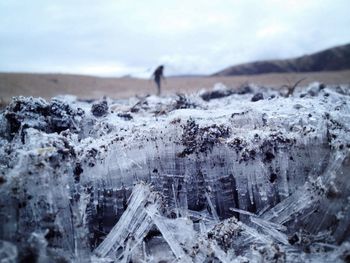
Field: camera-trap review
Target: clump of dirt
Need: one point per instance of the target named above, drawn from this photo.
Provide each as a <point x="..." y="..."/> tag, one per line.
<point x="49" y="117"/>
<point x="265" y="147"/>
<point x="100" y="109"/>
<point x="216" y="94"/>
<point x="142" y="104"/>
<point x="258" y="96"/>
<point x="182" y="102"/>
<point x="126" y="116"/>
<point x="221" y="93"/>
<point x="201" y="139"/>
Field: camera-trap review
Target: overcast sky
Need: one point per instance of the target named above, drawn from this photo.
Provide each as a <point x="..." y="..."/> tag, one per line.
<point x="121" y="37"/>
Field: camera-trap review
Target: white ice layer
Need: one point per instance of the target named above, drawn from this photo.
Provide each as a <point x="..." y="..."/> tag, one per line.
<point x="177" y="179"/>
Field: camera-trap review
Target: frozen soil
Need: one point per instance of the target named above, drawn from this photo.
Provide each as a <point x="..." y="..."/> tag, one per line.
<point x="251" y="173"/>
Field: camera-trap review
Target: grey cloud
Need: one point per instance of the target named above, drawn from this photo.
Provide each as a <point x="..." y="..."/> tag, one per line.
<point x="192" y="37"/>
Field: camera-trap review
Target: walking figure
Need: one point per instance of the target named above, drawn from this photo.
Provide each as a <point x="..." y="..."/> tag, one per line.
<point x="158" y="75"/>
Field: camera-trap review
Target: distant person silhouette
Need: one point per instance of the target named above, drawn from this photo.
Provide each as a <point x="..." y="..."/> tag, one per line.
<point x="158" y="75"/>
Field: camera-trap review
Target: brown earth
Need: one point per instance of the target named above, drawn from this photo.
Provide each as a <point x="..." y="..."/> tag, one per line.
<point x="49" y="85"/>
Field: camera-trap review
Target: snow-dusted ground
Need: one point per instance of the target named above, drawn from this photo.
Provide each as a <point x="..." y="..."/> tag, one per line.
<point x="239" y="176"/>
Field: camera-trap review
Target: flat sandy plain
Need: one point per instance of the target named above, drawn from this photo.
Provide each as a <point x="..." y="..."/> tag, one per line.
<point x="88" y="87"/>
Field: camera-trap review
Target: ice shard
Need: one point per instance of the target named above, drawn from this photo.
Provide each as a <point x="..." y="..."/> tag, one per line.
<point x="193" y="178"/>
<point x="133" y="225"/>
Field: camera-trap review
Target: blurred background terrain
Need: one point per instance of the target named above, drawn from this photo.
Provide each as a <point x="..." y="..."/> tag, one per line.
<point x="111" y="48"/>
<point x="331" y="66"/>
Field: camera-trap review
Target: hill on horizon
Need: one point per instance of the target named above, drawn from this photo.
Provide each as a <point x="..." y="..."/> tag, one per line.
<point x="332" y="59"/>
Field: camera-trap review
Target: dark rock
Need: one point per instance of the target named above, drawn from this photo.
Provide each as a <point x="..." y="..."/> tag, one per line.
<point x="273" y="177"/>
<point x="77" y="172"/>
<point x="125" y="116"/>
<point x="322" y="86"/>
<point x="244" y="90"/>
<point x="216" y="94"/>
<point x="2" y="180"/>
<point x="269" y="156"/>
<point x="293" y="239"/>
<point x="257" y="97"/>
<point x="99" y="109"/>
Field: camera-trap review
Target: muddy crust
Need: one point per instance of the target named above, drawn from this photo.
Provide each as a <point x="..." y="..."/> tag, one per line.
<point x="55" y="116"/>
<point x="197" y="139"/>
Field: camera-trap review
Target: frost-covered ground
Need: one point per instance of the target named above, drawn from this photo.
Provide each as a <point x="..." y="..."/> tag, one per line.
<point x="227" y="176"/>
